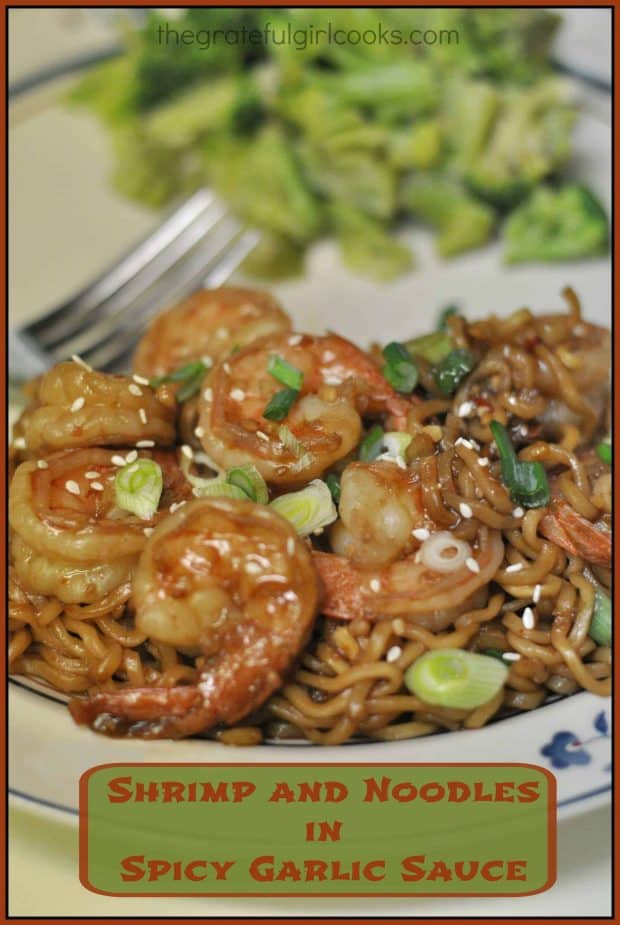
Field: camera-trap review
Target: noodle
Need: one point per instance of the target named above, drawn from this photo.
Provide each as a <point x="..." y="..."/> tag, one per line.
<point x="349" y="679"/>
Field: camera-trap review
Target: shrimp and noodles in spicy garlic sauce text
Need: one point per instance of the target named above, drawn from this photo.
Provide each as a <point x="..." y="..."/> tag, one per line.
<point x="263" y="534"/>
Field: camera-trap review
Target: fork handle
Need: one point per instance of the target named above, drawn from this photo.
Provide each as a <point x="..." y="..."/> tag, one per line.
<point x="26" y="359"/>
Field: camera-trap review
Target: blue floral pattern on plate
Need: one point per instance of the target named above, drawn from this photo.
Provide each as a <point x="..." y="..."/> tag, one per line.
<point x="566" y="748"/>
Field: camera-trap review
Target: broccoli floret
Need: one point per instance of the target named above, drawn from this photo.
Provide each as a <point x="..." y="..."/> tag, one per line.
<point x="366" y="244"/>
<point x="463" y="222"/>
<point x="419" y="146"/>
<point x="262" y="181"/>
<point x="529" y="141"/>
<point x="274" y="257"/>
<point x="557" y="224"/>
<point x="468" y="114"/>
<point x="164" y="67"/>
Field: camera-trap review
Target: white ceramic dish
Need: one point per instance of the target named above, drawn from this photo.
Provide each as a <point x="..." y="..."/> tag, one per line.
<point x="47" y="753"/>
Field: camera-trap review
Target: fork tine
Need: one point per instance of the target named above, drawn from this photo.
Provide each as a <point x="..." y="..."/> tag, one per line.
<point x="183" y="280"/>
<point x="71" y="325"/>
<point x="139" y="297"/>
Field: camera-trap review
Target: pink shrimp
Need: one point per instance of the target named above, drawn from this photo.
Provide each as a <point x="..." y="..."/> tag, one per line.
<point x="341" y="385"/>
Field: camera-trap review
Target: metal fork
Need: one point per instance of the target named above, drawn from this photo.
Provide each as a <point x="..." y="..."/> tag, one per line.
<point x="200" y="244"/>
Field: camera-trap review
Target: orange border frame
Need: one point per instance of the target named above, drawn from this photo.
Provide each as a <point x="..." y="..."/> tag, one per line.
<point x="19" y="4"/>
<point x="551" y="823"/>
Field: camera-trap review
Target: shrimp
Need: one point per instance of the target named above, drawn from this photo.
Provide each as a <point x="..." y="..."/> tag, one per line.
<point x="78" y="407"/>
<point x="211" y="322"/>
<point x="341" y="384"/>
<point x="233" y="580"/>
<point x="567" y="528"/>
<point x="380" y="504"/>
<point x="407" y="588"/>
<point x="577" y="535"/>
<point x="70" y="540"/>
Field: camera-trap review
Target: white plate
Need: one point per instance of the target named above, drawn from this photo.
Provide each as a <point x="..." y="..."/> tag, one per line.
<point x="47" y="752"/>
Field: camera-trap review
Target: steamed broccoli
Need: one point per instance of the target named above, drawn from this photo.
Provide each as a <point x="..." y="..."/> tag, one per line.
<point x="367" y="245"/>
<point x="530" y="140"/>
<point x="418" y="146"/>
<point x="462" y="222"/>
<point x="165" y="64"/>
<point x="562" y="224"/>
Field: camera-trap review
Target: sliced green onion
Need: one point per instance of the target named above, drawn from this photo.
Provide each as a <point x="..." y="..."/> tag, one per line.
<point x="333" y="483"/>
<point x="285" y="372"/>
<point x="452" y="369"/>
<point x="494" y="653"/>
<point x="290" y="441"/>
<point x="280" y="405"/>
<point x="604" y="450"/>
<point x="249" y="480"/>
<point x="526" y="481"/>
<point x="138" y="487"/>
<point x="395" y="446"/>
<point x="600" y="626"/>
<point x="309" y="510"/>
<point x="444" y="314"/>
<point x="219" y="487"/>
<point x="455" y="678"/>
<point x="400" y="369"/>
<point x="372" y="444"/>
<point x="191" y="375"/>
<point x="430" y="347"/>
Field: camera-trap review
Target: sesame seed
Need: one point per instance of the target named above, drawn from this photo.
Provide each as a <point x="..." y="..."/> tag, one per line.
<point x="142" y="415"/>
<point x="145" y="443"/>
<point x="72" y="487"/>
<point x="421" y="533"/>
<point x="515" y="567"/>
<point x="483" y="461"/>
<point x="187" y="451"/>
<point x="199" y="432"/>
<point x="472" y="565"/>
<point x="91" y="474"/>
<point x="375" y="584"/>
<point x="148" y="531"/>
<point x="393" y="654"/>
<point x="261" y="435"/>
<point x="295" y="339"/>
<point x="19" y="443"/>
<point x="80" y="362"/>
<point x="135" y="389"/>
<point x="398" y="626"/>
<point x="461" y="441"/>
<point x="96" y="486"/>
<point x="465" y="510"/>
<point x="176" y="505"/>
<point x="78" y="404"/>
<point x="133" y="468"/>
<point x="141" y="380"/>
<point x="511" y="656"/>
<point x="237" y="394"/>
<point x="252" y="568"/>
<point x="328" y="356"/>
<point x="132" y="456"/>
<point x="226" y="368"/>
<point x="536" y="594"/>
<point x="118" y="460"/>
<point x="332" y="380"/>
<point x="290" y="545"/>
<point x="529" y="619"/>
<point x="523" y="430"/>
<point x="518" y="512"/>
<point x="42" y="464"/>
<point x="222" y="333"/>
<point x="206" y="360"/>
<point x="465" y="409"/>
<point x="208" y="394"/>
